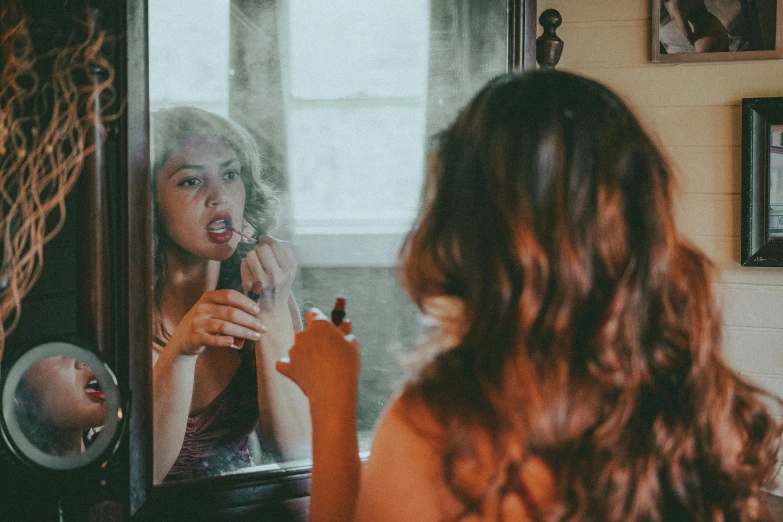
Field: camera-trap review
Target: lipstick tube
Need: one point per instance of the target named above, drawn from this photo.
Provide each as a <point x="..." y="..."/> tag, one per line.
<point x="338" y="312"/>
<point x="255" y="292"/>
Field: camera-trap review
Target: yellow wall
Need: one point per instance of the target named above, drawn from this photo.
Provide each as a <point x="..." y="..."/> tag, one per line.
<point x="694" y="111"/>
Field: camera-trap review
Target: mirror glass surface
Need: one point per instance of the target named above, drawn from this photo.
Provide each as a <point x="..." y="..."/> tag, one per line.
<point x="341" y="100"/>
<point x="776" y="182"/>
<point x="61" y="406"/>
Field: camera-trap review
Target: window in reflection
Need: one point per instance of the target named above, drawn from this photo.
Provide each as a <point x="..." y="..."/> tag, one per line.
<point x="340" y="99"/>
<point x="776" y="183"/>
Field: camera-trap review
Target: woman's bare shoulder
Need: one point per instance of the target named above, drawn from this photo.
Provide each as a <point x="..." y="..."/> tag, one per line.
<point x="409" y="416"/>
<point x="403" y="478"/>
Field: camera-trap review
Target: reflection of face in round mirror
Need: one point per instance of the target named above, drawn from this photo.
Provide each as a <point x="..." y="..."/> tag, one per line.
<point x="58" y="404"/>
<point x="61" y="406"/>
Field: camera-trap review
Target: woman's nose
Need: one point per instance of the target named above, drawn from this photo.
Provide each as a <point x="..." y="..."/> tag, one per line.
<point x="78" y="364"/>
<point x="217" y="195"/>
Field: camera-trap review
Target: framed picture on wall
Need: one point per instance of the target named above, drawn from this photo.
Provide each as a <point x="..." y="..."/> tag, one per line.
<point x="762" y="182"/>
<point x="716" y="30"/>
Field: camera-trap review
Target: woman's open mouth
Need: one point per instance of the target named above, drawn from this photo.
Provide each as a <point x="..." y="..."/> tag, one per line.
<point x="94" y="391"/>
<point x="219" y="229"/>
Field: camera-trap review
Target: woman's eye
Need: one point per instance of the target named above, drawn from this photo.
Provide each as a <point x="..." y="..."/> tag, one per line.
<point x="231" y="175"/>
<point x="189" y="182"/>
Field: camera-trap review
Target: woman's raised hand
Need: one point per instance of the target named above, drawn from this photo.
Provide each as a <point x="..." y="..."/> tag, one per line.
<point x="324" y="363"/>
<point x="272" y="264"/>
<point x="215" y="320"/>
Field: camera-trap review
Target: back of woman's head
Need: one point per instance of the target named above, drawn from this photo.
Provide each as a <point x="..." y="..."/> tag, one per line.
<point x="592" y="333"/>
<point x="30" y="417"/>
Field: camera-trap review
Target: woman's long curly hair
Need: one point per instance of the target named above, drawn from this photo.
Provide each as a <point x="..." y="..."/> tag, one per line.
<point x="171" y="128"/>
<point x="593" y="334"/>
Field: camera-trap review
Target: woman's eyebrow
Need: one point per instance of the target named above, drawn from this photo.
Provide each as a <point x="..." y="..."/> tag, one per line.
<point x="186" y="166"/>
<point x="194" y="166"/>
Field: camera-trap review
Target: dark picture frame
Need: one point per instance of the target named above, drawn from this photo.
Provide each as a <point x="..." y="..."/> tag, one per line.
<point x="748" y="25"/>
<point x="761" y="244"/>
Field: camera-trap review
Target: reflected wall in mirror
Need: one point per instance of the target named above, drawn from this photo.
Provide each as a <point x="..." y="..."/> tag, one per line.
<point x="61" y="407"/>
<point x="307" y="121"/>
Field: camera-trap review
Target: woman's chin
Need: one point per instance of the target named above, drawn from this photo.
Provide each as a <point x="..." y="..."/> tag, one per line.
<point x="224" y="257"/>
<point x="96" y="419"/>
<point x="223" y="251"/>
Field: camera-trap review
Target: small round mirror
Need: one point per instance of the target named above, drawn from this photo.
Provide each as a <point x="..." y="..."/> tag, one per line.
<point x="61" y="407"/>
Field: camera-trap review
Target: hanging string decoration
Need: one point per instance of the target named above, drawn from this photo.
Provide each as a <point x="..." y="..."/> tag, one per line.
<point x="45" y="120"/>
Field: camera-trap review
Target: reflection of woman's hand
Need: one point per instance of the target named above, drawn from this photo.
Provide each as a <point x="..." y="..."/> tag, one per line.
<point x="324" y="363"/>
<point x="215" y="319"/>
<point x="272" y="264"/>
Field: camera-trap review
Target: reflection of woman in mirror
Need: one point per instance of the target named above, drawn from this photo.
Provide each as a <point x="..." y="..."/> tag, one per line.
<point x="206" y="177"/>
<point x="579" y="375"/>
<point x="57" y="404"/>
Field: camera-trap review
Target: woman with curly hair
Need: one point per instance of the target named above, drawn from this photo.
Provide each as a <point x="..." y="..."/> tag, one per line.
<point x="579" y="374"/>
<point x="209" y="393"/>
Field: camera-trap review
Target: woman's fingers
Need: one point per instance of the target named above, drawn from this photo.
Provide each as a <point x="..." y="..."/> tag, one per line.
<point x="233" y="315"/>
<point x="224" y="319"/>
<point x="323" y="362"/>
<point x="231" y="298"/>
<point x="314" y="314"/>
<point x="219" y="341"/>
<point x="284" y="367"/>
<point x="247" y="277"/>
<point x="226" y="328"/>
<point x="282" y="252"/>
<point x="254" y="271"/>
<point x="346" y="327"/>
<point x="261" y="264"/>
<point x="269" y="263"/>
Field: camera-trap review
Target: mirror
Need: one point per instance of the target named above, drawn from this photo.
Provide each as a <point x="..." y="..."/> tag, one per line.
<point x="336" y="101"/>
<point x="61" y="407"/>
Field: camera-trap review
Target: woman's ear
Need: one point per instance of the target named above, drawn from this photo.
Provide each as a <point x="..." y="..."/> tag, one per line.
<point x="449" y="311"/>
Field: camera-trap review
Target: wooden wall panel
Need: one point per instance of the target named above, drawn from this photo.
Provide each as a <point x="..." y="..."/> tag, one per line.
<point x="608" y="44"/>
<point x="685" y="126"/>
<point x="598" y="10"/>
<point x="756" y="306"/>
<point x="707" y="170"/>
<point x="688" y="85"/>
<point x="766" y="353"/>
<point x="708" y="214"/>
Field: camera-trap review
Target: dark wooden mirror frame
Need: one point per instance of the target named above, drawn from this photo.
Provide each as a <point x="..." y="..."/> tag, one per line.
<point x="275" y="495"/>
<point x="758" y="115"/>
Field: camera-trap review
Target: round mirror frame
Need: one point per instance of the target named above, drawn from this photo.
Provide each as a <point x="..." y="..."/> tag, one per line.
<point x="15" y="437"/>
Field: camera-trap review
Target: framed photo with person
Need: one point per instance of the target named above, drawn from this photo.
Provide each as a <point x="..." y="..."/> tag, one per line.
<point x="716" y="30"/>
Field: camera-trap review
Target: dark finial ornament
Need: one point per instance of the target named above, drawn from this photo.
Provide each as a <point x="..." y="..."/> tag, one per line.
<point x="549" y="46"/>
